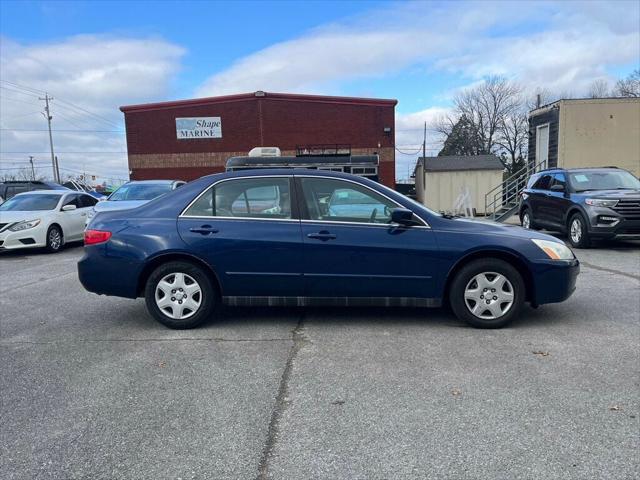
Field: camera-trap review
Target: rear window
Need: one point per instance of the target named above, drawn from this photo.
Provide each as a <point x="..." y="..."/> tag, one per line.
<point x="140" y="191"/>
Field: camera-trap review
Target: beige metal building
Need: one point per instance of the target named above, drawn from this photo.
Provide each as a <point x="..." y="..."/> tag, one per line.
<point x="450" y="182"/>
<point x="591" y="132"/>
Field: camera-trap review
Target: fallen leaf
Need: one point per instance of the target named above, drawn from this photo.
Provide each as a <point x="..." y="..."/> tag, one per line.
<point x="456" y="392"/>
<point x="162" y="364"/>
<point x="615" y="408"/>
<point x="541" y="353"/>
<point x="338" y="402"/>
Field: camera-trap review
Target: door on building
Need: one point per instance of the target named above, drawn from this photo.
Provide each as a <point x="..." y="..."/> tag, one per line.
<point x="542" y="145"/>
<point x="351" y="250"/>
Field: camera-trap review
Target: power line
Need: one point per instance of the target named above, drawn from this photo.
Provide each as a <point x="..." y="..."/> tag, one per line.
<point x="97" y="152"/>
<point x="58" y="130"/>
<point x="69" y="105"/>
<point x="3" y="98"/>
<point x="19" y="92"/>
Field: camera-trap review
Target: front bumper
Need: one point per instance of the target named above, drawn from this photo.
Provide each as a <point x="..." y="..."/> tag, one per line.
<point x="30" y="238"/>
<point x="621" y="226"/>
<point x="554" y="280"/>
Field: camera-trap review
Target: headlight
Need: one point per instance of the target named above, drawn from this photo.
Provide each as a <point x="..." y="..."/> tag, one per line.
<point x="18" y="227"/>
<point x="600" y="202"/>
<point x="554" y="250"/>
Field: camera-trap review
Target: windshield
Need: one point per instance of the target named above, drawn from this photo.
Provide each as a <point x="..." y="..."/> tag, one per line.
<point x="603" y="180"/>
<point x="140" y="191"/>
<point x="31" y="203"/>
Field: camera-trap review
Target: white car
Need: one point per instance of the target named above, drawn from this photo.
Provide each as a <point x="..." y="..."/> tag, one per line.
<point x="44" y="218"/>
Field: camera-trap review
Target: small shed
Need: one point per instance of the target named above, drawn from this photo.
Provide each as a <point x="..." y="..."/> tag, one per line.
<point x="441" y="182"/>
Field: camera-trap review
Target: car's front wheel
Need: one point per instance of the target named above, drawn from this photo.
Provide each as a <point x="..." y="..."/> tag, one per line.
<point x="54" y="239"/>
<point x="578" y="233"/>
<point x="180" y="295"/>
<point x="487" y="293"/>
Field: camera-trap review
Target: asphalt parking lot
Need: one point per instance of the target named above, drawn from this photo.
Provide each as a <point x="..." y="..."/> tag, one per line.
<point x="92" y="387"/>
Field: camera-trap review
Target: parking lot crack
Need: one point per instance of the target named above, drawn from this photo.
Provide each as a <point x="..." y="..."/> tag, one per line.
<point x="610" y="270"/>
<point x="107" y="340"/>
<point x="282" y="401"/>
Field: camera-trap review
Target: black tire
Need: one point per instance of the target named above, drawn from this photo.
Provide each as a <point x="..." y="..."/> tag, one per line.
<point x="581" y="239"/>
<point x="208" y="295"/>
<point x="466" y="276"/>
<point x="55" y="240"/>
<point x="532" y="224"/>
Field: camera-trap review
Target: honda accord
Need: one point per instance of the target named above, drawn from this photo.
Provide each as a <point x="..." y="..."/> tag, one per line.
<point x="309" y="237"/>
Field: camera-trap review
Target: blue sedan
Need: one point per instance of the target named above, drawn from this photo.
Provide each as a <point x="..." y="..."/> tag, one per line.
<point x="278" y="237"/>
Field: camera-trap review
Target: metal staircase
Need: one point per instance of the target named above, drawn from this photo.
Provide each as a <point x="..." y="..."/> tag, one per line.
<point x="502" y="201"/>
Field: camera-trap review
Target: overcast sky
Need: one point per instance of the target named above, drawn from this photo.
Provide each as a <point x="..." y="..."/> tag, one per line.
<point x="93" y="57"/>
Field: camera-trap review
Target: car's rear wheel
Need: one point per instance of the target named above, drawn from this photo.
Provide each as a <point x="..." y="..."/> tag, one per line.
<point x="487" y="293"/>
<point x="526" y="220"/>
<point x="54" y="239"/>
<point x="578" y="233"/>
<point x="180" y="295"/>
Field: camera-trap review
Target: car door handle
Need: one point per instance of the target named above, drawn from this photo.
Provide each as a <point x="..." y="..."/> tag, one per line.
<point x="322" y="236"/>
<point x="204" y="230"/>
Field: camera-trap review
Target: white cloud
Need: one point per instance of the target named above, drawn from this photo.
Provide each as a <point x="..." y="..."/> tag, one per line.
<point x="95" y="73"/>
<point x="559" y="46"/>
<point x="578" y="42"/>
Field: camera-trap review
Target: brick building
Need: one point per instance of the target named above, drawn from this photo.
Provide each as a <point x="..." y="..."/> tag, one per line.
<point x="191" y="138"/>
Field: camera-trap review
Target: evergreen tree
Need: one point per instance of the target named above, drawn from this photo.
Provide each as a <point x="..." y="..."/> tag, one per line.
<point x="463" y="140"/>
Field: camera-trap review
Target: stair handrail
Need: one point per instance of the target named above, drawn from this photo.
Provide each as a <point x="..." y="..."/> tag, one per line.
<point x="490" y="207"/>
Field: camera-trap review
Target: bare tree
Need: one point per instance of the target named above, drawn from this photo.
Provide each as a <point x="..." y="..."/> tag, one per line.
<point x="513" y="139"/>
<point x="487" y="105"/>
<point x="630" y="86"/>
<point x="599" y="89"/>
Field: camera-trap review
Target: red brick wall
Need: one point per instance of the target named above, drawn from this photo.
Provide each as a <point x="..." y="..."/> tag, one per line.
<point x="247" y="122"/>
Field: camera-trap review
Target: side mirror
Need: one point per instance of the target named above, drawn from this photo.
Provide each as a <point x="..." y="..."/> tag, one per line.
<point x="402" y="216"/>
<point x="68" y="208"/>
<point x="557" y="188"/>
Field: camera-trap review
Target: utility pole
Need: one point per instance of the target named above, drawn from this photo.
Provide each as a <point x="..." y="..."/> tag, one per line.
<point x="424" y="141"/>
<point x="47" y="114"/>
<point x="58" y="170"/>
<point x="33" y="172"/>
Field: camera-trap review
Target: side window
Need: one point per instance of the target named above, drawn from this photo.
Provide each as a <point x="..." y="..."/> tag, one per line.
<point x="543" y="183"/>
<point x="246" y="198"/>
<point x="72" y="200"/>
<point x="560" y="179"/>
<point x="340" y="201"/>
<point x="87" y="201"/>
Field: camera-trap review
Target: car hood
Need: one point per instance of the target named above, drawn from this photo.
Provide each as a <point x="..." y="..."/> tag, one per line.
<point x="468" y="225"/>
<point x="19" y="215"/>
<point x="110" y="205"/>
<point x="616" y="194"/>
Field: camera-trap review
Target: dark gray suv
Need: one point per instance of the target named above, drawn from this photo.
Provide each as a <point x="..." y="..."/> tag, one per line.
<point x="585" y="203"/>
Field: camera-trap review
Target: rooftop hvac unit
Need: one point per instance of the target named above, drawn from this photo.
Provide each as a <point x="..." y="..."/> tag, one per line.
<point x="265" y="152"/>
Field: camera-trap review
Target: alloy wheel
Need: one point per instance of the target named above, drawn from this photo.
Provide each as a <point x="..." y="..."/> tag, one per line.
<point x="55" y="239"/>
<point x="576" y="231"/>
<point x="526" y="221"/>
<point x="178" y="295"/>
<point x="489" y="295"/>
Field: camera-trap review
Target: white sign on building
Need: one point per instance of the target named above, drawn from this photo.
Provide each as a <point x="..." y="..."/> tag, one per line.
<point x="198" y="127"/>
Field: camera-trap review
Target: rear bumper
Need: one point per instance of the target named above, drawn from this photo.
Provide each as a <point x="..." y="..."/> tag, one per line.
<point x="554" y="281"/>
<point x="107" y="275"/>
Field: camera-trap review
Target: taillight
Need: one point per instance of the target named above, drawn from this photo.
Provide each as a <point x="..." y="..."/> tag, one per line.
<point x="91" y="237"/>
